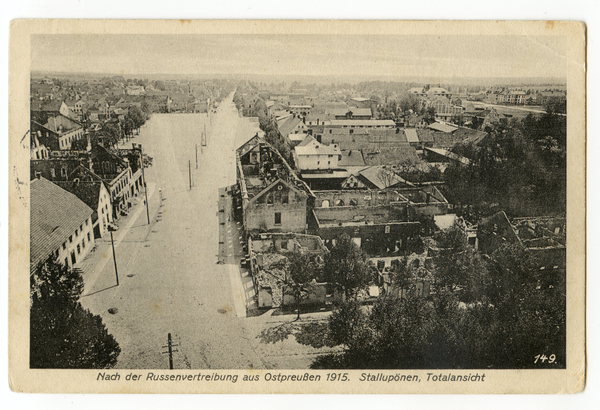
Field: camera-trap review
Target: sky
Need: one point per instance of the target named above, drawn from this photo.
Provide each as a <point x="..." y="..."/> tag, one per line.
<point x="323" y="55"/>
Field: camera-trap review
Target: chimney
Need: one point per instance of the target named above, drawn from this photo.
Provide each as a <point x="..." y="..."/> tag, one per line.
<point x="38" y="174"/>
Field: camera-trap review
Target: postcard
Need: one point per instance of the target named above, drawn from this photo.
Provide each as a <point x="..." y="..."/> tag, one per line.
<point x="297" y="206"/>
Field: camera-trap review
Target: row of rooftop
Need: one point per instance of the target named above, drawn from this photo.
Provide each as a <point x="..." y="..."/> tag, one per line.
<point x="277" y="206"/>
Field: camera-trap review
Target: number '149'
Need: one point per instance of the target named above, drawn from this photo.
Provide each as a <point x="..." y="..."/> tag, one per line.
<point x="543" y="358"/>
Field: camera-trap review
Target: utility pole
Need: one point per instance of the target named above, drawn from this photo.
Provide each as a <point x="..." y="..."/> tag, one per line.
<point x="170" y="350"/>
<point x="144" y="178"/>
<point x="190" y="172"/>
<point x="114" y="257"/>
<point x="196" y="156"/>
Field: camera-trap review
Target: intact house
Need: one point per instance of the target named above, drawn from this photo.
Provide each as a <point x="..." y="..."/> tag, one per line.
<point x="353" y="113"/>
<point x="351" y="126"/>
<point x="312" y="155"/>
<point x="292" y="128"/>
<point x="273" y="198"/>
<point x="490" y="118"/>
<point x="95" y="195"/>
<point x="40" y="111"/>
<point x="444" y="109"/>
<point x="300" y="109"/>
<point x="58" y="132"/>
<point x="60" y="225"/>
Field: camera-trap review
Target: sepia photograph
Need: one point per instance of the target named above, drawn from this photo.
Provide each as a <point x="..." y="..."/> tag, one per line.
<point x="208" y="206"/>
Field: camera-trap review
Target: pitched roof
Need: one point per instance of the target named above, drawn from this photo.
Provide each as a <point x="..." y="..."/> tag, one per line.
<point x="358" y="112"/>
<point x="288" y="126"/>
<point x="87" y="191"/>
<point x="442" y="127"/>
<point x="368" y="123"/>
<point x="411" y="135"/>
<point x="276" y="182"/>
<point x="310" y="146"/>
<point x="470" y="136"/>
<point x="351" y="158"/>
<point x="54" y="216"/>
<point x="47" y="106"/>
<point x="393" y="136"/>
<point x="390" y="156"/>
<point x="425" y="135"/>
<point x="374" y="176"/>
<point x="445" y="140"/>
<point x="54" y="123"/>
<point x="450" y="155"/>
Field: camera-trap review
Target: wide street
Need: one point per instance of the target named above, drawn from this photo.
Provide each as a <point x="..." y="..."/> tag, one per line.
<point x="169" y="279"/>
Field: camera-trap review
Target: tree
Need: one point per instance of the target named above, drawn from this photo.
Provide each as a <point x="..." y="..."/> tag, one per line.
<point x="63" y="334"/>
<point x="301" y="272"/>
<point x="137" y="117"/>
<point x="429" y="115"/>
<point x="346" y="266"/>
<point x="112" y="133"/>
<point x="128" y="127"/>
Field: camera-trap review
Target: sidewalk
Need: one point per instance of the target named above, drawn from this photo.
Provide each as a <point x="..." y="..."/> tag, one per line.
<point x="231" y="238"/>
<point x="95" y="262"/>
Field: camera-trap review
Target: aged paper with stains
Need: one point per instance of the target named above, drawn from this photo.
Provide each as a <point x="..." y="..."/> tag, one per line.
<point x="186" y="309"/>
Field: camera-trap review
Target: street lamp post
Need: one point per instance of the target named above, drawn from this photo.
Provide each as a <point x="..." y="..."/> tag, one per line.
<point x="111" y="229"/>
<point x="144" y="180"/>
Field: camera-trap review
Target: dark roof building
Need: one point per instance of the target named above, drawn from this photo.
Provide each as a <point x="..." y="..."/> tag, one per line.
<point x="57" y="221"/>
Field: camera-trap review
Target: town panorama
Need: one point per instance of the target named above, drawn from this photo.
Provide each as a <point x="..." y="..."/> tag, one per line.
<point x="229" y="223"/>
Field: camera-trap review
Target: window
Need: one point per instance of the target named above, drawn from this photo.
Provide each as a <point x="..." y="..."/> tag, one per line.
<point x="81" y="227"/>
<point x="78" y="249"/>
<point x="89" y="237"/>
<point x="283" y="244"/>
<point x="351" y="131"/>
<point x="83" y="243"/>
<point x="64" y="245"/>
<point x="270" y="198"/>
<point x="277" y="218"/>
<point x="284" y="198"/>
<point x="71" y="239"/>
<point x="86" y="222"/>
<point x="52" y="172"/>
<point x="387" y="229"/>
